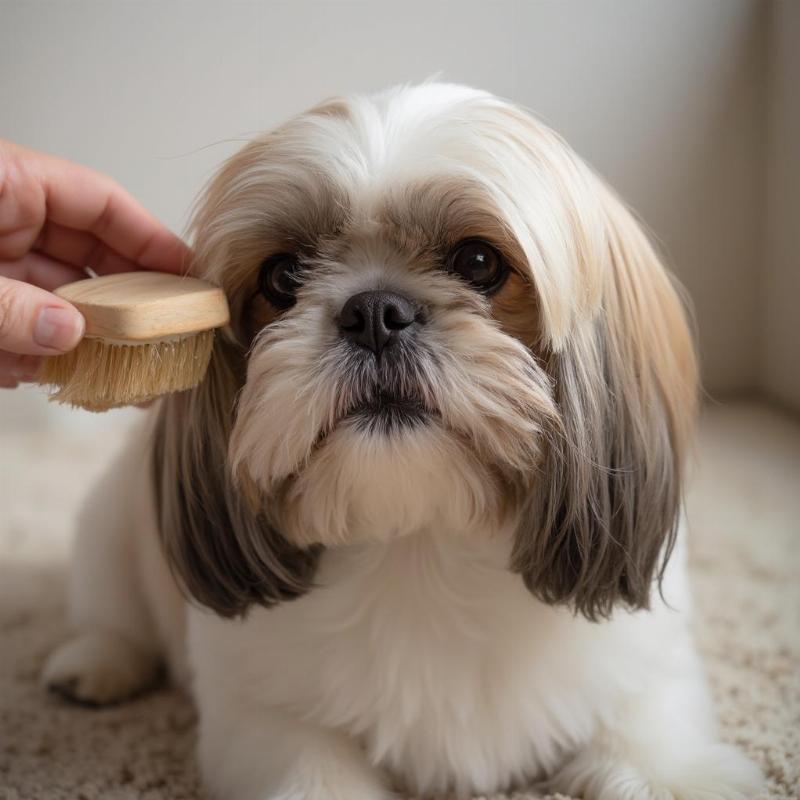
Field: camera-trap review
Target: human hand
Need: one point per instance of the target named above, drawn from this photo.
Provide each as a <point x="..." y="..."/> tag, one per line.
<point x="56" y="219"/>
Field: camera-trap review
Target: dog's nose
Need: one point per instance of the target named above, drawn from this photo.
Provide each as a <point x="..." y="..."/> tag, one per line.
<point x="374" y="319"/>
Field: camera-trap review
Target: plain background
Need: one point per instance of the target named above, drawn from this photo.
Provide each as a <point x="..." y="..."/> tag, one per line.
<point x="688" y="107"/>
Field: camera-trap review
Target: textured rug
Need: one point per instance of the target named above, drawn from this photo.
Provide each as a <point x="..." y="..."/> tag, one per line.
<point x="744" y="508"/>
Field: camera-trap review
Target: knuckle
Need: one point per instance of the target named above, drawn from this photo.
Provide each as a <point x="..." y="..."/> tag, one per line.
<point x="9" y="315"/>
<point x="6" y="152"/>
<point x="103" y="221"/>
<point x="3" y="168"/>
<point x="10" y="170"/>
<point x="22" y="203"/>
<point x="6" y="169"/>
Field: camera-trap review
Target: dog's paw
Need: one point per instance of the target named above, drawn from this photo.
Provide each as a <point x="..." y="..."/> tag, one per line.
<point x="717" y="772"/>
<point x="97" y="669"/>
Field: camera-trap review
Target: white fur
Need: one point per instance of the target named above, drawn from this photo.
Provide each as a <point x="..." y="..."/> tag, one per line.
<point x="418" y="661"/>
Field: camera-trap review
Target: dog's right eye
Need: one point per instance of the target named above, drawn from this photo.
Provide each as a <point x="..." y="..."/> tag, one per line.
<point x="479" y="264"/>
<point x="279" y="279"/>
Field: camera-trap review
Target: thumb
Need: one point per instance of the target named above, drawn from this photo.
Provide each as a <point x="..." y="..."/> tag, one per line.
<point x="35" y="322"/>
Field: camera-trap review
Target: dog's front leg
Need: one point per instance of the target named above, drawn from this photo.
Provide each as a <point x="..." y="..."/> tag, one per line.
<point x="250" y="753"/>
<point x="662" y="746"/>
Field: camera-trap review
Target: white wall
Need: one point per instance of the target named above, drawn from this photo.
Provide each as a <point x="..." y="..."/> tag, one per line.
<point x="780" y="345"/>
<point x="662" y="97"/>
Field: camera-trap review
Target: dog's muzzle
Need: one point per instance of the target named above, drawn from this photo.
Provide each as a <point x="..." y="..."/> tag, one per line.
<point x="381" y="329"/>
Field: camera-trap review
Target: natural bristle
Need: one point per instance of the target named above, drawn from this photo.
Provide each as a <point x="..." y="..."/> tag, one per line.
<point x="99" y="375"/>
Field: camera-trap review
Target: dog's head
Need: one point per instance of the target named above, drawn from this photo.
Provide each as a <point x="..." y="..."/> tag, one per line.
<point x="442" y="321"/>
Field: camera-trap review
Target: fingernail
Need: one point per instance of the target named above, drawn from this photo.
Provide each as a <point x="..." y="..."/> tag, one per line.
<point x="59" y="328"/>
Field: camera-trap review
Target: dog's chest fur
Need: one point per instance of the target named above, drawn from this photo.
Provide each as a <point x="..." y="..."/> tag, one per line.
<point x="430" y="654"/>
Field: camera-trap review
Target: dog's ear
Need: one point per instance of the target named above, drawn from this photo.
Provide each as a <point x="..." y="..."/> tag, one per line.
<point x="602" y="519"/>
<point x="225" y="555"/>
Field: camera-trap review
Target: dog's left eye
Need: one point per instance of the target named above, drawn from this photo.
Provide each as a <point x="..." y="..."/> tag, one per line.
<point x="279" y="279"/>
<point x="478" y="263"/>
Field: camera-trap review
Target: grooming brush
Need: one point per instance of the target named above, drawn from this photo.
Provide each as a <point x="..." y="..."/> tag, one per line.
<point x="147" y="334"/>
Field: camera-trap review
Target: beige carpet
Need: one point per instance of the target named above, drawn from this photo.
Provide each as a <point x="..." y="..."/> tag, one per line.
<point x="744" y="506"/>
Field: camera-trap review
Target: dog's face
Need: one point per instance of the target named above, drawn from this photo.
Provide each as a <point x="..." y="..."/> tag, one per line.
<point x="443" y="323"/>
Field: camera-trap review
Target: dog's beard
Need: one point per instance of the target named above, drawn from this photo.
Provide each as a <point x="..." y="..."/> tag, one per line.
<point x="443" y="431"/>
<point x="384" y="396"/>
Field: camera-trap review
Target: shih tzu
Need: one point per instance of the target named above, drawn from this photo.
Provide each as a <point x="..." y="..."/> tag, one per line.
<point x="425" y="509"/>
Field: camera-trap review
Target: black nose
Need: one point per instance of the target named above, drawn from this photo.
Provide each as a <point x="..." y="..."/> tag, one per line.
<point x="374" y="319"/>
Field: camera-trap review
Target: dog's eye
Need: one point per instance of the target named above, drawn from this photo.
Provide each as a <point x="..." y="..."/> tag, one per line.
<point x="279" y="279"/>
<point x="479" y="264"/>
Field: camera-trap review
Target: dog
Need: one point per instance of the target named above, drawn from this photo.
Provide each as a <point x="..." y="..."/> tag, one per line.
<point x="420" y="528"/>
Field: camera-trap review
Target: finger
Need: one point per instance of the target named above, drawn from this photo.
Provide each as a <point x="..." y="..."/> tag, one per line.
<point x="80" y="198"/>
<point x="15" y="368"/>
<point x="81" y="249"/>
<point x="46" y="273"/>
<point x="35" y="322"/>
<point x="35" y="187"/>
<point x="22" y="202"/>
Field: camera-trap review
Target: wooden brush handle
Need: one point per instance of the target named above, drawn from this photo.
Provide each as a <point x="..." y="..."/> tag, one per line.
<point x="146" y="306"/>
